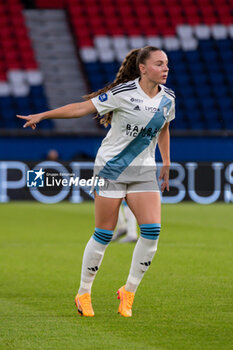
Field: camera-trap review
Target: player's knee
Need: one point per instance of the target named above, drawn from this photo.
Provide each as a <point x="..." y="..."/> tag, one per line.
<point x="150" y="231"/>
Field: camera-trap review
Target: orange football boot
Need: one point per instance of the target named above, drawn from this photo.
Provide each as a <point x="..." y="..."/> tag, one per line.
<point x="83" y="303"/>
<point x="126" y="302"/>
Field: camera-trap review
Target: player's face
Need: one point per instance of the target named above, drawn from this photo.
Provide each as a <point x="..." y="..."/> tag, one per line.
<point x="155" y="68"/>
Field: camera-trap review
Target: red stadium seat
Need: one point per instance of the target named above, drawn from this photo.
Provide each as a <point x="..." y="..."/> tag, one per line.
<point x="92" y="11"/>
<point x="174" y="11"/>
<point x="190" y="11"/>
<point x="133" y="31"/>
<point x="177" y="20"/>
<point x="116" y="31"/>
<point x="226" y="19"/>
<point x="51" y="4"/>
<point x="168" y="31"/>
<point x="151" y="31"/>
<point x="128" y="22"/>
<point x="101" y="30"/>
<point x="85" y="42"/>
<point x="158" y="11"/>
<point x="3" y="76"/>
<point x="109" y="11"/>
<point x="125" y="11"/>
<point x="193" y="20"/>
<point x="75" y="10"/>
<point x="82" y="31"/>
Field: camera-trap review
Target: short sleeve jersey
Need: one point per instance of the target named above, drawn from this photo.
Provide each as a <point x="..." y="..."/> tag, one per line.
<point x="128" y="150"/>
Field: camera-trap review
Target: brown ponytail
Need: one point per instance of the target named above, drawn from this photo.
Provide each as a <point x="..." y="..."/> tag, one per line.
<point x="129" y="70"/>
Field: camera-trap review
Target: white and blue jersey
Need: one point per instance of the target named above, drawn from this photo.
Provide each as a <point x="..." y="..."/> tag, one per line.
<point x="127" y="152"/>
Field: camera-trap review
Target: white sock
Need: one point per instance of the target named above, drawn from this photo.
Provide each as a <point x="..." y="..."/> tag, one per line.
<point x="143" y="254"/>
<point x="131" y="223"/>
<point x="92" y="258"/>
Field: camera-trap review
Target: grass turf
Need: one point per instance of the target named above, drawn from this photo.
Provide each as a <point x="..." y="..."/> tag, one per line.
<point x="183" y="302"/>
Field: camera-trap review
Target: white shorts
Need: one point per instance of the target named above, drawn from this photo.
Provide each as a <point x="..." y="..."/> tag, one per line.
<point x="114" y="189"/>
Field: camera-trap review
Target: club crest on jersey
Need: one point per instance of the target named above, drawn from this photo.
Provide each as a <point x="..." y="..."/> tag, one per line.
<point x="103" y="97"/>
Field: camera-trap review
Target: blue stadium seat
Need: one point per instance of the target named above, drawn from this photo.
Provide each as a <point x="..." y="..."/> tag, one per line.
<point x="11" y="124"/>
<point x="217" y="79"/>
<point x="175" y="56"/>
<point x="192" y="57"/>
<point x="200" y="79"/>
<point x="223" y="45"/>
<point x="37" y="91"/>
<point x="92" y="68"/>
<point x="187" y="91"/>
<point x="226" y="56"/>
<point x="202" y="91"/>
<point x="210" y="56"/>
<point x="228" y="69"/>
<point x="214" y="67"/>
<point x="206" y="45"/>
<point x="183" y="81"/>
<point x="22" y="102"/>
<point x="179" y="124"/>
<point x="196" y="68"/>
<point x="6" y="101"/>
<point x="190" y="103"/>
<point x="8" y="113"/>
<point x="219" y="91"/>
<point x="208" y="104"/>
<point x="195" y="121"/>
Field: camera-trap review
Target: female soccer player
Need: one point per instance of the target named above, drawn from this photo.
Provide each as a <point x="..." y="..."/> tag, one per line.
<point x="139" y="108"/>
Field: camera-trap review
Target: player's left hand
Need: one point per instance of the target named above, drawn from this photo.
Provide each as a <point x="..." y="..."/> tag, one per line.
<point x="164" y="175"/>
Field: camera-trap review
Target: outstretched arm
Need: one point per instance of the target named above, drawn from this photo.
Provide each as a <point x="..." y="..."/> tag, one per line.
<point x="164" y="147"/>
<point x="73" y="110"/>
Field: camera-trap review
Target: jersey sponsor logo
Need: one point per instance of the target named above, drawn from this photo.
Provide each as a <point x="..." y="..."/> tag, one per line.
<point x="135" y="130"/>
<point x="137" y="100"/>
<point x="151" y="109"/>
<point x="137" y="108"/>
<point x="103" y="97"/>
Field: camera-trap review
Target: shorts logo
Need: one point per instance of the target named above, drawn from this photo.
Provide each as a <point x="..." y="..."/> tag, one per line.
<point x="35" y="178"/>
<point x="103" y="97"/>
<point x="137" y="100"/>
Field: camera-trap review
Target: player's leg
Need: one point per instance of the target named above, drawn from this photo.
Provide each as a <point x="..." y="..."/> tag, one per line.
<point x="106" y="214"/>
<point x="146" y="207"/>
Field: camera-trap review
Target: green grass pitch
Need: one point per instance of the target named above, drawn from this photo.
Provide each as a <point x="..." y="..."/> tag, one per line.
<point x="183" y="302"/>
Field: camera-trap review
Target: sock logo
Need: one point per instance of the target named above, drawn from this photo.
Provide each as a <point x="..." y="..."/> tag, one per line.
<point x="147" y="263"/>
<point x="93" y="269"/>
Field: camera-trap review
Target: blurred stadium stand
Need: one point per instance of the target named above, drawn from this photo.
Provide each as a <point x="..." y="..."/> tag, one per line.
<point x="54" y="51"/>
